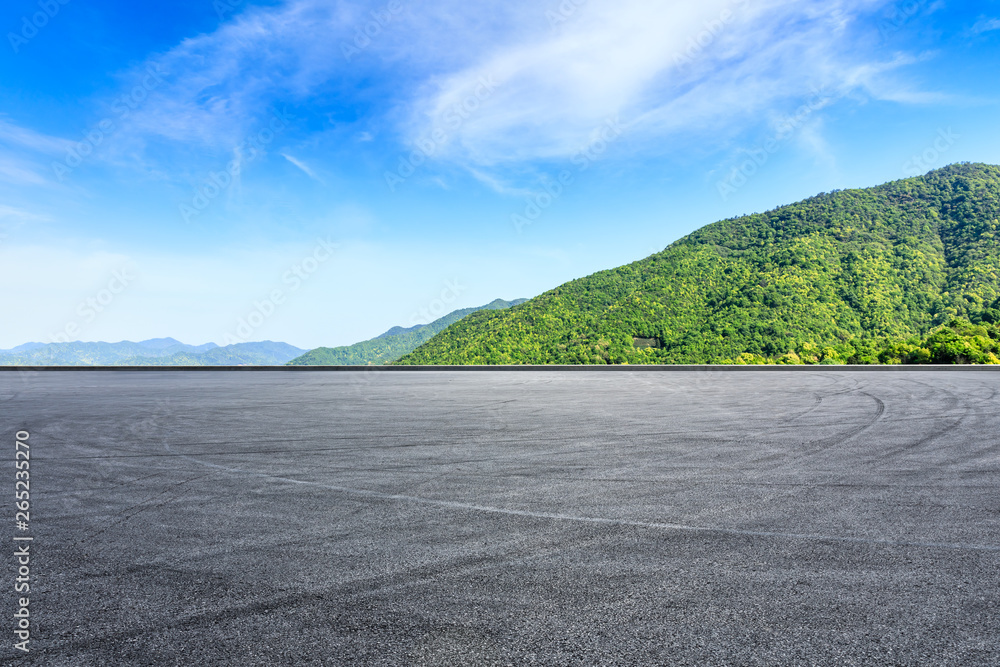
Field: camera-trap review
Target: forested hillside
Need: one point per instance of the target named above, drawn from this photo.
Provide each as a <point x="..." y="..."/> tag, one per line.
<point x="846" y="274"/>
<point x="391" y="345"/>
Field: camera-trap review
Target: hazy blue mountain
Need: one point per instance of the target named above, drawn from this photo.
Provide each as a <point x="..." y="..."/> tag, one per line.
<point x="393" y="344"/>
<point x="172" y="346"/>
<point x="155" y="352"/>
<point x="22" y="348"/>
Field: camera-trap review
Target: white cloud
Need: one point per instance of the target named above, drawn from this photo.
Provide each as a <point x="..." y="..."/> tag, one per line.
<point x="23" y="151"/>
<point x="303" y="166"/>
<point x="14" y="135"/>
<point x="663" y="68"/>
<point x="12" y="219"/>
<point x="19" y="216"/>
<point x="810" y="139"/>
<point x="986" y="25"/>
<point x="510" y="85"/>
<point x="16" y="171"/>
<point x="498" y="185"/>
<point x="217" y="85"/>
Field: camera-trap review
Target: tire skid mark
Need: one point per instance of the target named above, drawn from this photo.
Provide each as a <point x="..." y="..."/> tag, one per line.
<point x="341" y="593"/>
<point x="969" y="411"/>
<point x="376" y="584"/>
<point x="4" y="399"/>
<point x="102" y="489"/>
<point x="124" y="515"/>
<point x="624" y="523"/>
<point x="822" y="442"/>
<point x="818" y="401"/>
<point x="950" y="423"/>
<point x="813" y="447"/>
<point x="990" y="450"/>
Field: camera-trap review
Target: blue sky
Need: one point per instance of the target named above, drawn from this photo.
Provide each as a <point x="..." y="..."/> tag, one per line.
<point x="316" y="171"/>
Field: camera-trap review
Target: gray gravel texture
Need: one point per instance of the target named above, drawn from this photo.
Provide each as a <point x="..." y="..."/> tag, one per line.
<point x="479" y="518"/>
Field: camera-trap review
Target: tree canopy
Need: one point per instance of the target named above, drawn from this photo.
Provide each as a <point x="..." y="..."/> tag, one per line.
<point x="841" y="277"/>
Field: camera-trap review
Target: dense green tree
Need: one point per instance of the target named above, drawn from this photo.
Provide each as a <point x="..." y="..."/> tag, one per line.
<point x="391" y="345"/>
<point x="832" y="279"/>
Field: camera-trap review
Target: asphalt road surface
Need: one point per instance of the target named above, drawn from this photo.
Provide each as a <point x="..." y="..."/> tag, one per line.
<point x="477" y="518"/>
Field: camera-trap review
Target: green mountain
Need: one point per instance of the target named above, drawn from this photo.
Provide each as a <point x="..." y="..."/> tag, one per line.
<point x="155" y="352"/>
<point x="393" y="344"/>
<point x="837" y="278"/>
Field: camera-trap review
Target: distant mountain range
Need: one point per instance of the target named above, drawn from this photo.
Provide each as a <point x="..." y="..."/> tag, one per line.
<point x="153" y="352"/>
<point x="382" y="349"/>
<point x="905" y="272"/>
<point x="393" y="344"/>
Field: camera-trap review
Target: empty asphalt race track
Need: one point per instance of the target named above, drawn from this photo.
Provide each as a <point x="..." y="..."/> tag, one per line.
<point x="466" y="518"/>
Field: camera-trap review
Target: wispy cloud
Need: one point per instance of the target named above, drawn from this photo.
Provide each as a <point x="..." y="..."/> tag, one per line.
<point x="217" y="85"/>
<point x="986" y="25"/>
<point x="12" y="219"/>
<point x="498" y="185"/>
<point x="23" y="152"/>
<point x="15" y="171"/>
<point x="303" y="166"/>
<point x="663" y="68"/>
<point x="810" y="139"/>
<point x="18" y="216"/>
<point x="667" y="70"/>
<point x="24" y="138"/>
